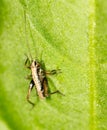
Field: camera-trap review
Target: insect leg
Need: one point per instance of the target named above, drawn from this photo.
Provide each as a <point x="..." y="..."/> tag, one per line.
<point x="57" y="91"/>
<point x="52" y="72"/>
<point x="27" y="62"/>
<point x="29" y="91"/>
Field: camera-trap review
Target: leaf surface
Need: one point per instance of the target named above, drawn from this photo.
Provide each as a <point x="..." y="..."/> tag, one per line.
<point x="68" y="35"/>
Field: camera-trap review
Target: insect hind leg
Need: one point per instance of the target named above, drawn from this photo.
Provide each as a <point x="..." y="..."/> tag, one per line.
<point x="29" y="91"/>
<point x="57" y="91"/>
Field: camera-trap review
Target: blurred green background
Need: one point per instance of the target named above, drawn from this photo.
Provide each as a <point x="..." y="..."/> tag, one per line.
<point x="70" y="35"/>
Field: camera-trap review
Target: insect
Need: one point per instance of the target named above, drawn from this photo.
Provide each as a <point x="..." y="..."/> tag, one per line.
<point x="38" y="77"/>
<point x="39" y="80"/>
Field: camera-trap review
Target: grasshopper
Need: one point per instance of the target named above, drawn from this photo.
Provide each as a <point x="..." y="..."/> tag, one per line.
<point x="38" y="75"/>
<point x="39" y="79"/>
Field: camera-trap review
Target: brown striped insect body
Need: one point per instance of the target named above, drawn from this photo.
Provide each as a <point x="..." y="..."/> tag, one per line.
<point x="39" y="80"/>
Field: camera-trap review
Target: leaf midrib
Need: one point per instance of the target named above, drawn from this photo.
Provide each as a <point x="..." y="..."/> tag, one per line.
<point x="92" y="65"/>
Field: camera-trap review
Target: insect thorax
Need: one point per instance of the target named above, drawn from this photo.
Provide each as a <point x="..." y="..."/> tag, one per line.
<point x="41" y="74"/>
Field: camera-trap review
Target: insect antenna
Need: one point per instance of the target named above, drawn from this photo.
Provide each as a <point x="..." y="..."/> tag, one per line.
<point x="35" y="51"/>
<point x="31" y="58"/>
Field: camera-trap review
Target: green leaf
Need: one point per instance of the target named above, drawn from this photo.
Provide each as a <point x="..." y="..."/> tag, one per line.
<point x="3" y="126"/>
<point x="66" y="34"/>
